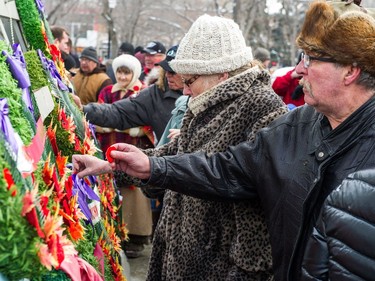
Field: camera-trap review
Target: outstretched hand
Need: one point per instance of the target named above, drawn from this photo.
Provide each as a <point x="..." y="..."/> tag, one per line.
<point x="85" y="165"/>
<point x="126" y="158"/>
<point x="131" y="160"/>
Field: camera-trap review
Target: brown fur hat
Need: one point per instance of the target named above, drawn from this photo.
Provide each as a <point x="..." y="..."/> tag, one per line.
<point x="342" y="31"/>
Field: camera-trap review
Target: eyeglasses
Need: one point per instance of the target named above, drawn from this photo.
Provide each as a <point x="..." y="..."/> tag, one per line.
<point x="306" y="60"/>
<point x="191" y="80"/>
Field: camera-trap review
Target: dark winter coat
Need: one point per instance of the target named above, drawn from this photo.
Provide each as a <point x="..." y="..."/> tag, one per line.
<point x="291" y="168"/>
<point x="152" y="107"/>
<point x="342" y="245"/>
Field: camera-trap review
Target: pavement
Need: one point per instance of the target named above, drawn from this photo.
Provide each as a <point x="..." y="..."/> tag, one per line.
<point x="138" y="266"/>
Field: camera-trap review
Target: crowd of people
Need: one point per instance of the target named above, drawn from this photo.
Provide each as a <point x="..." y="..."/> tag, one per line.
<point x="217" y="170"/>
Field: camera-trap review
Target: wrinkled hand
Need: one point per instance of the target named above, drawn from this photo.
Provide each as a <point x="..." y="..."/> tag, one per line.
<point x="131" y="160"/>
<point x="85" y="165"/>
<point x="174" y="133"/>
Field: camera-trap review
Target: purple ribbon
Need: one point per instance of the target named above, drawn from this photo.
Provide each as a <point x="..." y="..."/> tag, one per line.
<point x="84" y="192"/>
<point x="17" y="66"/>
<point x="50" y="67"/>
<point x="6" y="126"/>
<point x="40" y="6"/>
<point x="92" y="131"/>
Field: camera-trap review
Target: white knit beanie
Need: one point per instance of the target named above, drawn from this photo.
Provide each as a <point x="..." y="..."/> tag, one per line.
<point x="212" y="45"/>
<point x="130" y="62"/>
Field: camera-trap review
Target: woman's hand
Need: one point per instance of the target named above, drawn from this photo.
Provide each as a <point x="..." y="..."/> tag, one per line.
<point x="174" y="133"/>
<point x="85" y="165"/>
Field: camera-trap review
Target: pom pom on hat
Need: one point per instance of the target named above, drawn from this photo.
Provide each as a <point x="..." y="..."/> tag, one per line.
<point x="212" y="45"/>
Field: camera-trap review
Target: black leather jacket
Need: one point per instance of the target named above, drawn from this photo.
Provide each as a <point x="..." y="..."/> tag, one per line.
<point x="343" y="241"/>
<point x="152" y="107"/>
<point x="291" y="168"/>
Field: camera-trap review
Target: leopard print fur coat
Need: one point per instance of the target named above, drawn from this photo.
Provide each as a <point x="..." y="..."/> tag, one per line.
<point x="202" y="240"/>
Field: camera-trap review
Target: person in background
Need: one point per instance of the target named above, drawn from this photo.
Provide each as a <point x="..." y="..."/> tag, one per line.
<point x="230" y="100"/>
<point x="61" y="38"/>
<point x="61" y="41"/>
<point x="264" y="56"/>
<point x="287" y="86"/>
<point x="298" y="160"/>
<point x="152" y="107"/>
<point x="154" y="53"/>
<point x="139" y="55"/>
<point x="91" y="77"/>
<point x="73" y="54"/>
<point x="125" y="48"/>
<point x="136" y="208"/>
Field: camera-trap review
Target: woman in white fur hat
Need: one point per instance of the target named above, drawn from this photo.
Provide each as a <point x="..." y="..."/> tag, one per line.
<point x="136" y="209"/>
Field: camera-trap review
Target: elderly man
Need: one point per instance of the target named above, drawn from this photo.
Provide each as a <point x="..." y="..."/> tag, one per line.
<point x="301" y="157"/>
<point x="91" y="77"/>
<point x="154" y="53"/>
<point x="230" y="100"/>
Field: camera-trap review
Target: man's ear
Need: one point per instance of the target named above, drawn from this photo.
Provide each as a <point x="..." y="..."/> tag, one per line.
<point x="351" y="74"/>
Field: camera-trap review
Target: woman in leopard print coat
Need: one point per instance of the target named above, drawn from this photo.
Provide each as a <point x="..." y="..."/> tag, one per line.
<point x="231" y="99"/>
<point x="203" y="240"/>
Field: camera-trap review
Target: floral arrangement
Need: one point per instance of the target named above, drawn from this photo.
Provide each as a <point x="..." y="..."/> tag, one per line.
<point x="47" y="221"/>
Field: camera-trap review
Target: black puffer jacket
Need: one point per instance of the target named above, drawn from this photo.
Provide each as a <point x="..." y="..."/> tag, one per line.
<point x="342" y="246"/>
<point x="292" y="167"/>
<point x="152" y="107"/>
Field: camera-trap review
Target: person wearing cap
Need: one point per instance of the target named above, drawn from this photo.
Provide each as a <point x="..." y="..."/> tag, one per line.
<point x="154" y="53"/>
<point x="152" y="107"/>
<point x="296" y="165"/>
<point x="230" y="99"/>
<point x="91" y="77"/>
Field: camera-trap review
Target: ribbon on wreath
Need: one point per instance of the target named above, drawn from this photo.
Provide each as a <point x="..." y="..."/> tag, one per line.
<point x="6" y="126"/>
<point x="17" y="66"/>
<point x="84" y="192"/>
<point x="50" y="66"/>
<point x="40" y="6"/>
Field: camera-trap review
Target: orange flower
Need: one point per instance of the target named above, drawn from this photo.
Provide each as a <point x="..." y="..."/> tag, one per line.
<point x="29" y="210"/>
<point x="61" y="164"/>
<point x="67" y="123"/>
<point x="51" y="134"/>
<point x="72" y="215"/>
<point x="56" y="246"/>
<point x="49" y="176"/>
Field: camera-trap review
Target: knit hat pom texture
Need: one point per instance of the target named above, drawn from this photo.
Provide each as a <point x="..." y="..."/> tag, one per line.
<point x="212" y="45"/>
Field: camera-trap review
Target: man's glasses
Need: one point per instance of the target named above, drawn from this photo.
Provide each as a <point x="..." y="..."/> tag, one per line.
<point x="190" y="81"/>
<point x="306" y="60"/>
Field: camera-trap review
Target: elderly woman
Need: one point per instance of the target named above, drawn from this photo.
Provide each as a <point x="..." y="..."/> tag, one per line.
<point x="230" y="100"/>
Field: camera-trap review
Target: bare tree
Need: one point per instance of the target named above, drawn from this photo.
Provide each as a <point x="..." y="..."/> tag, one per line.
<point x="140" y="21"/>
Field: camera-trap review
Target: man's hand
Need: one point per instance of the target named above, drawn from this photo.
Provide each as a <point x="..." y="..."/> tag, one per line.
<point x="85" y="165"/>
<point x="131" y="160"/>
